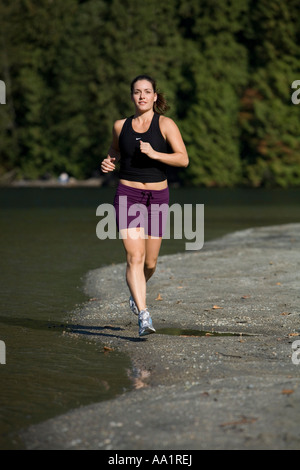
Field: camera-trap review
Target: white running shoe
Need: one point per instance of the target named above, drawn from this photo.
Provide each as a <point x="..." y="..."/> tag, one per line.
<point x="133" y="306"/>
<point x="145" y="323"/>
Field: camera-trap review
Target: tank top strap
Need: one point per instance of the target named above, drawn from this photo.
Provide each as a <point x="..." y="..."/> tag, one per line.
<point x="155" y="120"/>
<point x="126" y="126"/>
<point x="155" y="125"/>
<point x="128" y="123"/>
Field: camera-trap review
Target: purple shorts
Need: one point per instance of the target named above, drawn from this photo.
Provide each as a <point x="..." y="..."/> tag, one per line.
<point x="142" y="208"/>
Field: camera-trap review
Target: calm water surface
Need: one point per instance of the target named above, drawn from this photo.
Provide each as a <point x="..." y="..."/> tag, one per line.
<point x="47" y="244"/>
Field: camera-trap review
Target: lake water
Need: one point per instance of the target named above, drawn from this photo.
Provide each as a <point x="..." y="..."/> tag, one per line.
<point x="48" y="243"/>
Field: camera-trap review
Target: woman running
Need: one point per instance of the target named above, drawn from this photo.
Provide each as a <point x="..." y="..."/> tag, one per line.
<point x="145" y="143"/>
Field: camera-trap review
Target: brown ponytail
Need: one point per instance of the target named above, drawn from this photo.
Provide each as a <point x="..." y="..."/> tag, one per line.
<point x="160" y="106"/>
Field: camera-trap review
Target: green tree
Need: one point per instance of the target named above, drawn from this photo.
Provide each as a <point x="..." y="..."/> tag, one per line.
<point x="226" y="67"/>
<point x="9" y="59"/>
<point x="268" y="119"/>
<point x="216" y="72"/>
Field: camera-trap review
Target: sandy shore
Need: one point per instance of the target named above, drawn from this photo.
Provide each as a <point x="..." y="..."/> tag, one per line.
<point x="236" y="391"/>
<point x="54" y="183"/>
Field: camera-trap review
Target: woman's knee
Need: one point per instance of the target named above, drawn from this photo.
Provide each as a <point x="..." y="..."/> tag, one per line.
<point x="150" y="264"/>
<point x="135" y="259"/>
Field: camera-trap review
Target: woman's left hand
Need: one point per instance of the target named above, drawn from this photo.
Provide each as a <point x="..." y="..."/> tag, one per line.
<point x="147" y="149"/>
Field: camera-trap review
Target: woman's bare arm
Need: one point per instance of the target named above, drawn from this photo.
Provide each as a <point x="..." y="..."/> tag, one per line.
<point x="170" y="131"/>
<point x="113" y="156"/>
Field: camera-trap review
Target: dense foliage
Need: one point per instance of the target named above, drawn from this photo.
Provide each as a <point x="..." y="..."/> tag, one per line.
<point x="225" y="66"/>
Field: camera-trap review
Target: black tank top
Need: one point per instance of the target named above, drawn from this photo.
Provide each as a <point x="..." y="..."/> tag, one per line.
<point x="135" y="165"/>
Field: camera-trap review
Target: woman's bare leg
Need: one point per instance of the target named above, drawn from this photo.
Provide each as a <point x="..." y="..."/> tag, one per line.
<point x="141" y="255"/>
<point x="153" y="245"/>
<point x="135" y="248"/>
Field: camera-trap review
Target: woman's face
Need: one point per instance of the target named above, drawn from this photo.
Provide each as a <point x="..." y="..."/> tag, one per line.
<point x="143" y="95"/>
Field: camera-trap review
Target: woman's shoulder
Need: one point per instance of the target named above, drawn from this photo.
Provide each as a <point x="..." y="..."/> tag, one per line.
<point x="166" y="124"/>
<point x="166" y="121"/>
<point x="119" y="122"/>
<point x="118" y="125"/>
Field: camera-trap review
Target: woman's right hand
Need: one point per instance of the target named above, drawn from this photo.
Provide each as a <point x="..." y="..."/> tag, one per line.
<point x="108" y="164"/>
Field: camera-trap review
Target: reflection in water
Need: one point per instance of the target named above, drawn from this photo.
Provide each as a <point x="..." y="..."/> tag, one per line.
<point x="190" y="332"/>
